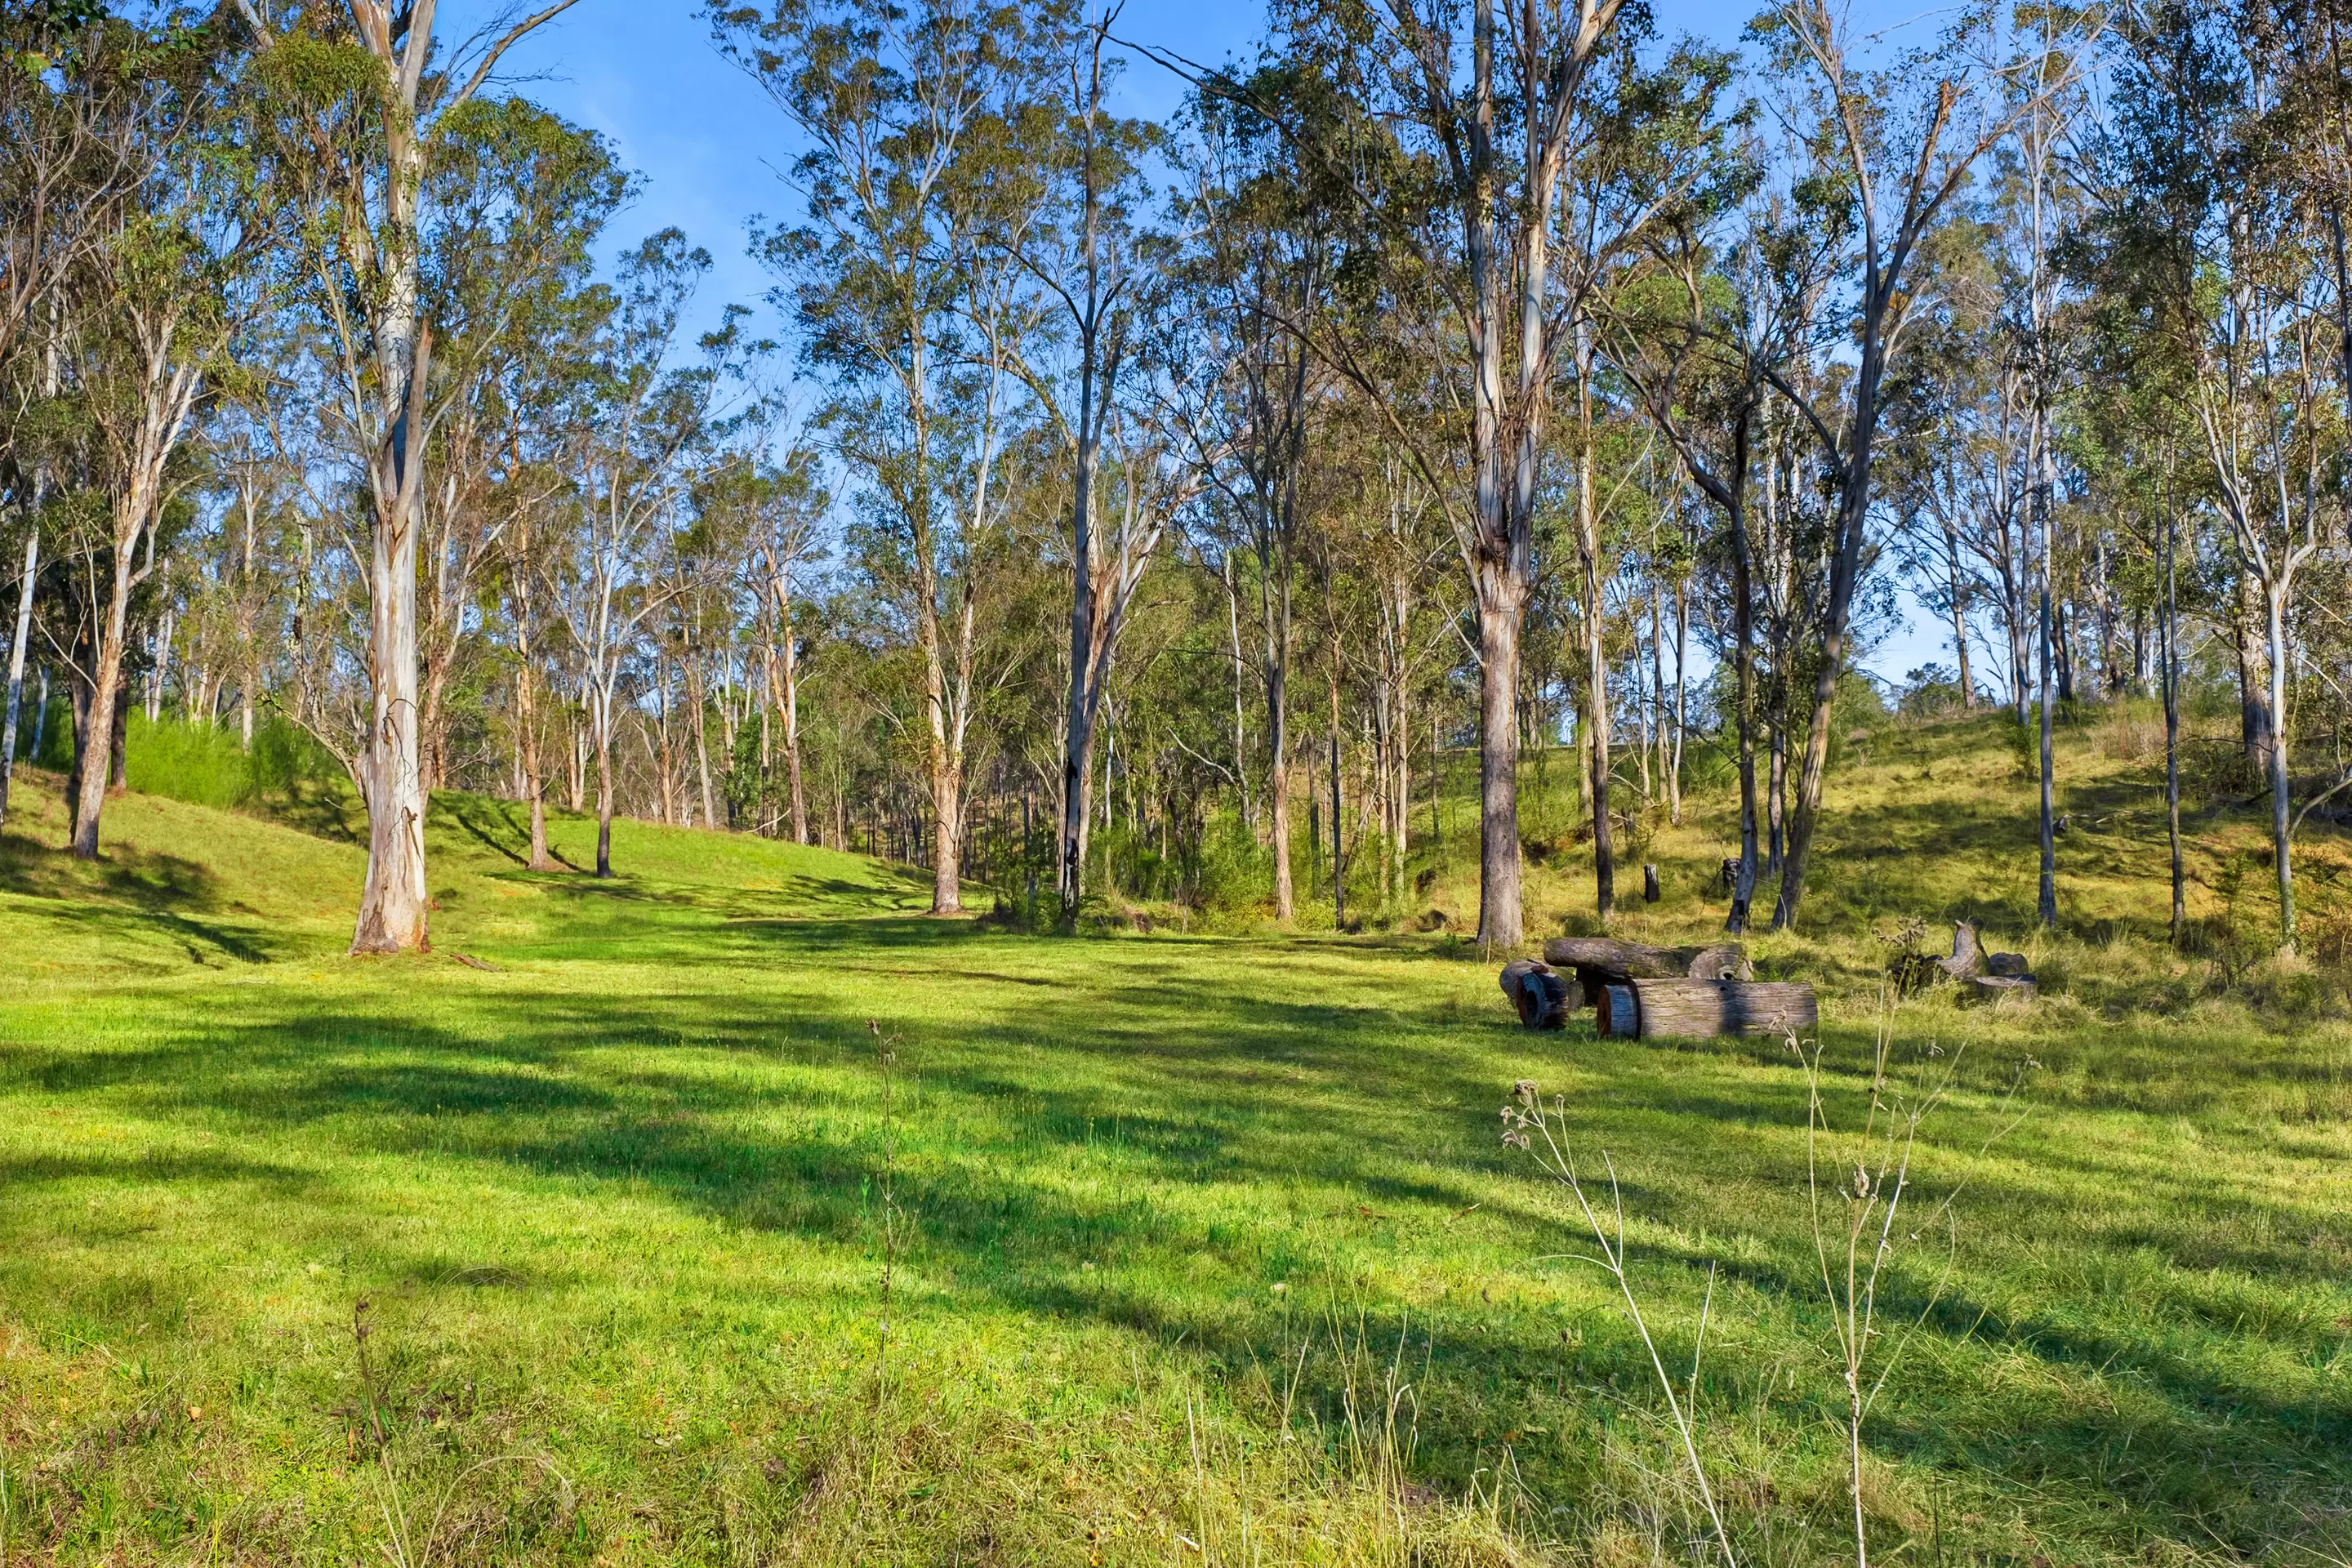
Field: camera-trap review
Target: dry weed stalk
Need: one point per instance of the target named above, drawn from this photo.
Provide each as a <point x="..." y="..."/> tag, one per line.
<point x="887" y="1053"/>
<point x="1855" y="1254"/>
<point x="1525" y="1119"/>
<point x="1855" y="1265"/>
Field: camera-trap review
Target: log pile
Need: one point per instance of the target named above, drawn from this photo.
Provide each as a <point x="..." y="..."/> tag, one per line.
<point x="1650" y="993"/>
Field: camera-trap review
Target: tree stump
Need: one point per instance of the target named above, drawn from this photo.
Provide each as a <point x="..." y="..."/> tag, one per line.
<point x="1649" y="884"/>
<point x="1696" y="1009"/>
<point x="2009" y="966"/>
<point x="1541" y="995"/>
<point x="1966" y="958"/>
<point x="1995" y="989"/>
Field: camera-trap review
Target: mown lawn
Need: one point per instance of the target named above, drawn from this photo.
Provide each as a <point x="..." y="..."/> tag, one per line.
<point x="1196" y="1249"/>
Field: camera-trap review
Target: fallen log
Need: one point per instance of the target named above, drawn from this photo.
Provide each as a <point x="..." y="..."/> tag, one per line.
<point x="1692" y="1009"/>
<point x="1602" y="960"/>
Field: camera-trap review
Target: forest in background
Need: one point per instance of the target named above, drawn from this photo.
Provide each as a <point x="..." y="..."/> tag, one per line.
<point x="1101" y="504"/>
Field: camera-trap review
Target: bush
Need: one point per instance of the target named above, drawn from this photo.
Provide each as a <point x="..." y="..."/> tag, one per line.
<point x="206" y="765"/>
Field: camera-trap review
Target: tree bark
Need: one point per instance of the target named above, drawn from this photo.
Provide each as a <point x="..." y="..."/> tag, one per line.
<point x="2274" y="596"/>
<point x="393" y="904"/>
<point x="1502" y="599"/>
<point x="17" y="646"/>
<point x="2171" y="633"/>
<point x="2047" y="904"/>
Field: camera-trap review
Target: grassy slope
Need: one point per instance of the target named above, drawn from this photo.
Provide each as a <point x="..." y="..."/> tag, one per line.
<point x="616" y="1212"/>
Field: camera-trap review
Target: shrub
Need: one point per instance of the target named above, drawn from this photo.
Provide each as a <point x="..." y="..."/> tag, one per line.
<point x="206" y="765"/>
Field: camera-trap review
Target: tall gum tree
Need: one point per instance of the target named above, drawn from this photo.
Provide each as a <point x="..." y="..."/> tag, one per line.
<point x="1900" y="143"/>
<point x="1494" y="143"/>
<point x="157" y="301"/>
<point x="357" y="116"/>
<point x="902" y="278"/>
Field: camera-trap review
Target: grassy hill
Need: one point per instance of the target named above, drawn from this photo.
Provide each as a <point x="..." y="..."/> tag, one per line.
<point x="736" y="1213"/>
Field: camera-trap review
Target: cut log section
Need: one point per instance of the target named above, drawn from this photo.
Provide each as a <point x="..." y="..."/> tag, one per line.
<point x="1998" y="988"/>
<point x="1695" y="1009"/>
<point x="1541" y="995"/>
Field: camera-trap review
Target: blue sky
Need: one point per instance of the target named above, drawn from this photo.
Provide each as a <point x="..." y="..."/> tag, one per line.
<point x="643" y="73"/>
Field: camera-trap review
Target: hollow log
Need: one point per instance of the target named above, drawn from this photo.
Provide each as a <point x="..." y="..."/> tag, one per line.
<point x="1541" y="995"/>
<point x="1695" y="1009"/>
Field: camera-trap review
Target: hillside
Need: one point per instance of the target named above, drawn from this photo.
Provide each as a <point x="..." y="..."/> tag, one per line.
<point x="735" y="1212"/>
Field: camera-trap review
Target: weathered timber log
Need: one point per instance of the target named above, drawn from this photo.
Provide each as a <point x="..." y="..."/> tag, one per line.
<point x="1690" y="1009"/>
<point x="1624" y="959"/>
<point x="1541" y="995"/>
<point x="2009" y="966"/>
<point x="1601" y="961"/>
<point x="2000" y="988"/>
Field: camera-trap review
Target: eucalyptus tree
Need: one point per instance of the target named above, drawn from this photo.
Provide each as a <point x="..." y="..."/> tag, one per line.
<point x="771" y="500"/>
<point x="154" y="307"/>
<point x="1101" y="379"/>
<point x="1897" y="143"/>
<point x="1729" y="283"/>
<point x="364" y="100"/>
<point x="1267" y="238"/>
<point x="2238" y="273"/>
<point x="1485" y="149"/>
<point x="921" y="191"/>
<point x="514" y="201"/>
<point x="641" y="418"/>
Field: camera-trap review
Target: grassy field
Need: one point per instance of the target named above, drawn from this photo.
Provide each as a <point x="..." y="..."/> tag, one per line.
<point x="731" y="1213"/>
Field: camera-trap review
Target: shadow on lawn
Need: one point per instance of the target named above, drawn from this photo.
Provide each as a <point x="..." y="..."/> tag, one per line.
<point x="1368" y="1119"/>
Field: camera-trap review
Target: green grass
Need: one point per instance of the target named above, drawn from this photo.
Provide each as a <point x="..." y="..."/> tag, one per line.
<point x="1171" y="1220"/>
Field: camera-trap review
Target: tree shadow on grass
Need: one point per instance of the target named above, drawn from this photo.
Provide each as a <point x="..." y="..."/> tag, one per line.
<point x="1196" y="1148"/>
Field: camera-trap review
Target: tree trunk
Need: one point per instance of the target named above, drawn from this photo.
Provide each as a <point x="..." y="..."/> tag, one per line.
<point x="2045" y="493"/>
<point x="17" y="646"/>
<point x="99" y="743"/>
<point x="1845" y="571"/>
<point x="2258" y="719"/>
<point x="1957" y="588"/>
<point x="1682" y="703"/>
<point x="790" y="712"/>
<point x="2275" y="595"/>
<point x="2169" y="632"/>
<point x="603" y="742"/>
<point x="393" y="904"/>
<point x="1596" y="656"/>
<point x="1501" y="599"/>
<point x="694" y="688"/>
<point x="534" y="785"/>
<point x="1743" y="661"/>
